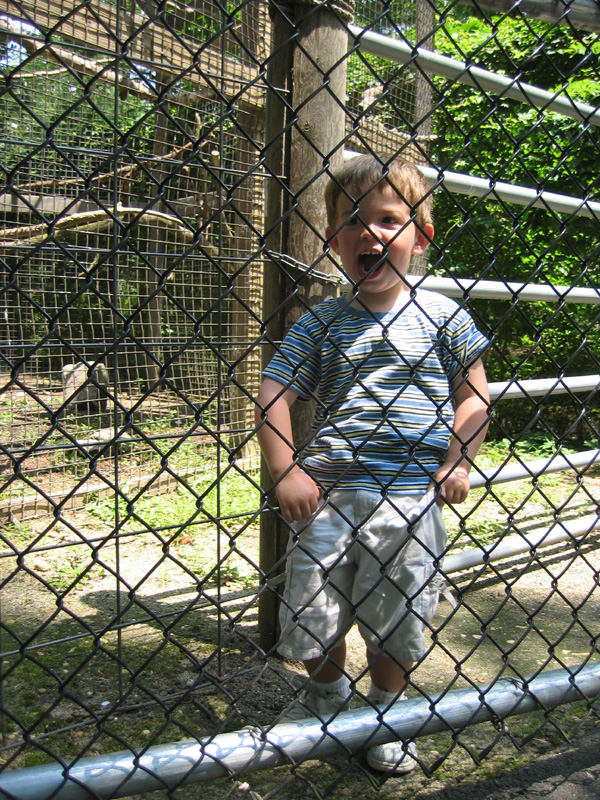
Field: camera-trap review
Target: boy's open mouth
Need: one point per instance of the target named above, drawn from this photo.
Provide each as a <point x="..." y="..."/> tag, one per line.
<point x="371" y="263"/>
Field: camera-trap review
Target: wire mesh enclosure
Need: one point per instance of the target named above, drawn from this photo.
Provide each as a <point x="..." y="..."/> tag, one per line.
<point x="163" y="226"/>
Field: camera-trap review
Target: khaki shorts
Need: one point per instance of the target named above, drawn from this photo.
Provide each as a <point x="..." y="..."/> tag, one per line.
<point x="363" y="559"/>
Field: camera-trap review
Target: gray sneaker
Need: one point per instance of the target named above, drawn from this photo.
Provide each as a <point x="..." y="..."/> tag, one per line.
<point x="312" y="701"/>
<point x="395" y="758"/>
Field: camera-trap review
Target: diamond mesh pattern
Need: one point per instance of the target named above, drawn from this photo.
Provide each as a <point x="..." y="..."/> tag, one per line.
<point x="159" y="235"/>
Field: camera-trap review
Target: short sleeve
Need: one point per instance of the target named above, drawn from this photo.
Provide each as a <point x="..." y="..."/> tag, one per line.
<point x="297" y="363"/>
<point x="464" y="342"/>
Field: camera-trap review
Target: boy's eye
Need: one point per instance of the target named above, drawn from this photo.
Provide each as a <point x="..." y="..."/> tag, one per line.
<point x="394" y="220"/>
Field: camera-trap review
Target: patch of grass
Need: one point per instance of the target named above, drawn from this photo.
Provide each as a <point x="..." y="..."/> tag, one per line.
<point x="230" y="496"/>
<point x="70" y="569"/>
<point x="534" y="446"/>
<point x="195" y="524"/>
<point x="109" y="703"/>
<point x="207" y="567"/>
<point x="18" y="534"/>
<point x="487" y="531"/>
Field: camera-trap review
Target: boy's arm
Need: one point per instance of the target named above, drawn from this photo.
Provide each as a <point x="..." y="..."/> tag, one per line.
<point x="297" y="493"/>
<point x="471" y="400"/>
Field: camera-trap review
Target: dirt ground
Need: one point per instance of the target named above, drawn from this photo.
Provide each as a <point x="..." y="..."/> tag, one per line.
<point x="568" y="772"/>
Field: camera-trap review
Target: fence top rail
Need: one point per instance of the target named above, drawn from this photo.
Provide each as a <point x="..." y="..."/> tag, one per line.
<point x="446" y="67"/>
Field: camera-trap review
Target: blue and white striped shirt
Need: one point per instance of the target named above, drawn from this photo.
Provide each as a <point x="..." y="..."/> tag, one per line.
<point x="384" y="411"/>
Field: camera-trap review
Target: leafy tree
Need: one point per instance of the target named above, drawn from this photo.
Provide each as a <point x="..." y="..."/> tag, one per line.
<point x="505" y="140"/>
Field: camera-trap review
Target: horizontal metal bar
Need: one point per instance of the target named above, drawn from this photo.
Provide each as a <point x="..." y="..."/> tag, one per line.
<point x="508" y="390"/>
<point x="446" y="67"/>
<point x="520" y="543"/>
<point x="583" y="14"/>
<point x="170" y="766"/>
<point x="511" y="193"/>
<point x="506" y="290"/>
<point x="463" y="287"/>
<point x="533" y="469"/>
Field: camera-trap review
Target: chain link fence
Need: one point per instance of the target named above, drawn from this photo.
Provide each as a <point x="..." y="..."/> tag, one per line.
<point x="163" y="226"/>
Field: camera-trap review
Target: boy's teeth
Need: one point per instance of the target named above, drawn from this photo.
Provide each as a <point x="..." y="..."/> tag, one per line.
<point x="368" y="260"/>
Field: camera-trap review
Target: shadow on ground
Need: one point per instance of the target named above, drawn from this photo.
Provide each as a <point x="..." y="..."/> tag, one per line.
<point x="570" y="773"/>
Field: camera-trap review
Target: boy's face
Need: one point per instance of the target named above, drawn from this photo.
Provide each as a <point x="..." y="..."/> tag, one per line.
<point x="376" y="244"/>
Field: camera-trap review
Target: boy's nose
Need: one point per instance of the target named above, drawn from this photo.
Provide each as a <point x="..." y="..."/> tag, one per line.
<point x="368" y="232"/>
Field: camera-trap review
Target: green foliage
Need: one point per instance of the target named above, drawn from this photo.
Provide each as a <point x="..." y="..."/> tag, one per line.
<point x="73" y="570"/>
<point x="538" y="444"/>
<point x="505" y="140"/>
<point x="16" y="535"/>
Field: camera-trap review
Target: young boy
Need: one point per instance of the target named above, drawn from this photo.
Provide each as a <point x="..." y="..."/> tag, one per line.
<point x="401" y="412"/>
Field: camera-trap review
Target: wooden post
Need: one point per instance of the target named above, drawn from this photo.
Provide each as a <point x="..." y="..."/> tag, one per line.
<point x="272" y="538"/>
<point x="157" y="255"/>
<point x="423" y="116"/>
<point x="243" y="327"/>
<point x="425" y="26"/>
<point x="316" y="142"/>
<point x="318" y="91"/>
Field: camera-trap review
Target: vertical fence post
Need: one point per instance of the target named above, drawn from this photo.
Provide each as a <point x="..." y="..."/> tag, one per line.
<point x="317" y="91"/>
<point x="318" y="97"/>
<point x="423" y="117"/>
<point x="272" y="539"/>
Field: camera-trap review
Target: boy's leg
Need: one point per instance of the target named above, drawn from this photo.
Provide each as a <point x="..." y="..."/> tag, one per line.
<point x="329" y="668"/>
<point x="406" y="535"/>
<point x="315" y="612"/>
<point x="328" y="690"/>
<point x="387" y="673"/>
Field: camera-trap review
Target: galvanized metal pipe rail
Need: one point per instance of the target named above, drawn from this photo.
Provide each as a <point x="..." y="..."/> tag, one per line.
<point x="476" y="186"/>
<point x="537" y="387"/>
<point x="520" y="543"/>
<point x="584" y="14"/>
<point x="173" y="765"/>
<point x="512" y="193"/>
<point x="533" y="469"/>
<point x="427" y="60"/>
<point x="506" y="290"/>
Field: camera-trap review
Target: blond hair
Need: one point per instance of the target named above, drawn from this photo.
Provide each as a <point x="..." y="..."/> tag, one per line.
<point x="361" y="174"/>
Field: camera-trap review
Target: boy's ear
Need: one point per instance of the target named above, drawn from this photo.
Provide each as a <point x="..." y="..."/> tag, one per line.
<point x="333" y="243"/>
<point x="423" y="239"/>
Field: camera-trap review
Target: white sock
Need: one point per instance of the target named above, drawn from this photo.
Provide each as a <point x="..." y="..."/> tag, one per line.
<point x="340" y="686"/>
<point x="382" y="698"/>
